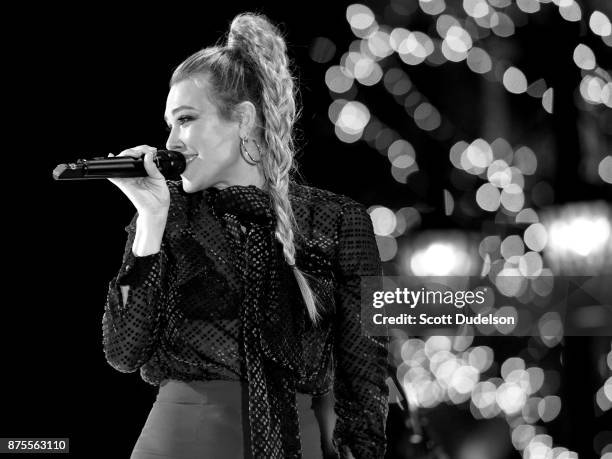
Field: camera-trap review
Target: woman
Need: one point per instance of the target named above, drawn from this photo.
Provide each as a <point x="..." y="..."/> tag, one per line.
<point x="239" y="292"/>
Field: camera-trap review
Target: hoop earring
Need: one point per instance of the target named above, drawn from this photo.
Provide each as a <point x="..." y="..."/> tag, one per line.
<point x="245" y="152"/>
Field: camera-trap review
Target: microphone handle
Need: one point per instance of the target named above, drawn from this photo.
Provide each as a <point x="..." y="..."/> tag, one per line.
<point x="171" y="164"/>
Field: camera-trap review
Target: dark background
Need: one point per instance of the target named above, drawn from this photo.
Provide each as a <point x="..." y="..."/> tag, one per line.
<point x="92" y="80"/>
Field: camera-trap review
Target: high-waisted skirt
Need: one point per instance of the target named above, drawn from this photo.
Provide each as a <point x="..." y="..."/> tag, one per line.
<point x="208" y="420"/>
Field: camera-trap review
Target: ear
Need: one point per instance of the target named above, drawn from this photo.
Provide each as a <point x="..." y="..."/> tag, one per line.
<point x="247" y="118"/>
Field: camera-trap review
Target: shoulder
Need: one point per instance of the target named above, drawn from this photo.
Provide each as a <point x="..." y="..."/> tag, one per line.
<point x="303" y="196"/>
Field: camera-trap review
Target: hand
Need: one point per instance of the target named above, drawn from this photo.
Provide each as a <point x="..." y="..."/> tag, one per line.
<point x="150" y="195"/>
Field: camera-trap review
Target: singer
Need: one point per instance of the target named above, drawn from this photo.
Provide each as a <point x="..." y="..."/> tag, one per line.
<point x="239" y="290"/>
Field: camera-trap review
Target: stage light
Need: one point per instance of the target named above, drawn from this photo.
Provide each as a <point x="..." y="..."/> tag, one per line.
<point x="515" y="81"/>
<point x="479" y="61"/>
<point x="383" y="220"/>
<point x="525" y="159"/>
<point x="600" y="24"/>
<point x="441" y="254"/>
<point x="488" y="197"/>
<point x="536" y="237"/>
<point x="571" y="12"/>
<point x="547" y="100"/>
<point x="584" y="57"/>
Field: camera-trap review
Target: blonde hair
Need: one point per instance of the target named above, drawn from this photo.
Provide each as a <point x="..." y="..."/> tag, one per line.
<point x="253" y="66"/>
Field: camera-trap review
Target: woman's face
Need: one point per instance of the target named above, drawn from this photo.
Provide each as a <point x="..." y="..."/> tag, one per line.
<point x="210" y="143"/>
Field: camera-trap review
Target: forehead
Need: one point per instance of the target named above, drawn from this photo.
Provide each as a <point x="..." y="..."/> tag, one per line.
<point x="192" y="92"/>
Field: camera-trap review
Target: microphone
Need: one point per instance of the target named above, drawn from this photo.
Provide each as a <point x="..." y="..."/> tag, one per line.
<point x="170" y="163"/>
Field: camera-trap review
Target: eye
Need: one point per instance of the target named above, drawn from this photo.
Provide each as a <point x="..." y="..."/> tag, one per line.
<point x="183" y="119"/>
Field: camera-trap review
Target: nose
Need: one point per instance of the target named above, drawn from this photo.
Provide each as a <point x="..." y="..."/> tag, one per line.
<point x="173" y="142"/>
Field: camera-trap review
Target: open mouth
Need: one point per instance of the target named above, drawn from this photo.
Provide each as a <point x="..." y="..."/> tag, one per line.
<point x="189" y="158"/>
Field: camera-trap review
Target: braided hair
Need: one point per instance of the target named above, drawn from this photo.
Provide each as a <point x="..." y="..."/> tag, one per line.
<point x="253" y="66"/>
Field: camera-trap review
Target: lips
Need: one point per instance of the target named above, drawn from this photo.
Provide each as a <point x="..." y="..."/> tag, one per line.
<point x="190" y="157"/>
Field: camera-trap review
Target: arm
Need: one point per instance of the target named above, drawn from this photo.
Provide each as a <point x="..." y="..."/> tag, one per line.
<point x="136" y="296"/>
<point x="360" y="384"/>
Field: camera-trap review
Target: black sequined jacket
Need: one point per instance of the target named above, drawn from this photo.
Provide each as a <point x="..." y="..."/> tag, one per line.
<point x="218" y="301"/>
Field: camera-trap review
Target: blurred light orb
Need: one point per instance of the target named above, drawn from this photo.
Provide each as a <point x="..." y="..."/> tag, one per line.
<point x="502" y="25"/>
<point x="537" y="88"/>
<point x="476" y="8"/>
<point x="489" y="245"/>
<point x="536" y="378"/>
<point x="396" y="81"/>
<point x="580" y="235"/>
<point x="458" y="39"/>
<point x="550" y="328"/>
<point x="403" y="161"/>
<point x="451" y="54"/>
<point x="368" y="72"/>
<point x="397" y="36"/>
<point x="522" y="435"/>
<point x="445" y="22"/>
<point x="571" y="12"/>
<point x="606" y="94"/>
<point x="584" y="57"/>
<point x="547" y="100"/>
<point x="605" y="169"/>
<point x="432" y="7"/>
<point x="502" y="150"/>
<point x="407" y="218"/>
<point x="510" y="397"/>
<point x="500" y="3"/>
<point x="353" y="117"/>
<point x="387" y="247"/>
<point x="530" y="265"/>
<point x="512" y="246"/>
<point x="607" y="387"/>
<point x="415" y="48"/>
<point x="426" y="262"/>
<point x="591" y="88"/>
<point x="512" y="197"/>
<point x="536" y="237"/>
<point x="427" y="117"/>
<point x="517" y="177"/>
<point x="456" y="151"/>
<point x="527" y="216"/>
<point x="400" y="148"/>
<point x="514" y="80"/>
<point x="479" y="153"/>
<point x="337" y="80"/>
<point x="383" y="221"/>
<point x="525" y="159"/>
<point x="379" y="44"/>
<point x="549" y="408"/>
<point x="600" y="24"/>
<point x="483" y="394"/>
<point x="479" y="61"/>
<point x="510" y="283"/>
<point x="528" y="6"/>
<point x="481" y="358"/>
<point x="360" y="18"/>
<point x="335" y="108"/>
<point x="488" y="197"/>
<point x="322" y="50"/>
<point x="499" y="173"/>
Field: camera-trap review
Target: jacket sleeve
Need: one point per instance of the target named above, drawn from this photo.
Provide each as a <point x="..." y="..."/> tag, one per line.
<point x="134" y="306"/>
<point x="360" y="385"/>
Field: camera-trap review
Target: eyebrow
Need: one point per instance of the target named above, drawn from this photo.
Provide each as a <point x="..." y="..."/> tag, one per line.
<point x="180" y="107"/>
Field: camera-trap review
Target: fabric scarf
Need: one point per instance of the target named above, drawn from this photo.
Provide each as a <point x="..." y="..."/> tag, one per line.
<point x="270" y="330"/>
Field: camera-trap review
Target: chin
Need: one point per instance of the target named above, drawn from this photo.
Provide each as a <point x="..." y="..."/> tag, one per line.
<point x="190" y="187"/>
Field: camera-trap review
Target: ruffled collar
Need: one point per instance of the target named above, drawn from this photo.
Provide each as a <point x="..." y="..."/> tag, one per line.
<point x="247" y="203"/>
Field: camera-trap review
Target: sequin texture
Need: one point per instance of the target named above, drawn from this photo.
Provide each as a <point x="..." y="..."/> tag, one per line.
<point x="219" y="302"/>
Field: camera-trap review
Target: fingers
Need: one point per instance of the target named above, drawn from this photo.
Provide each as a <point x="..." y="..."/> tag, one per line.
<point x="151" y="167"/>
<point x="137" y="152"/>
